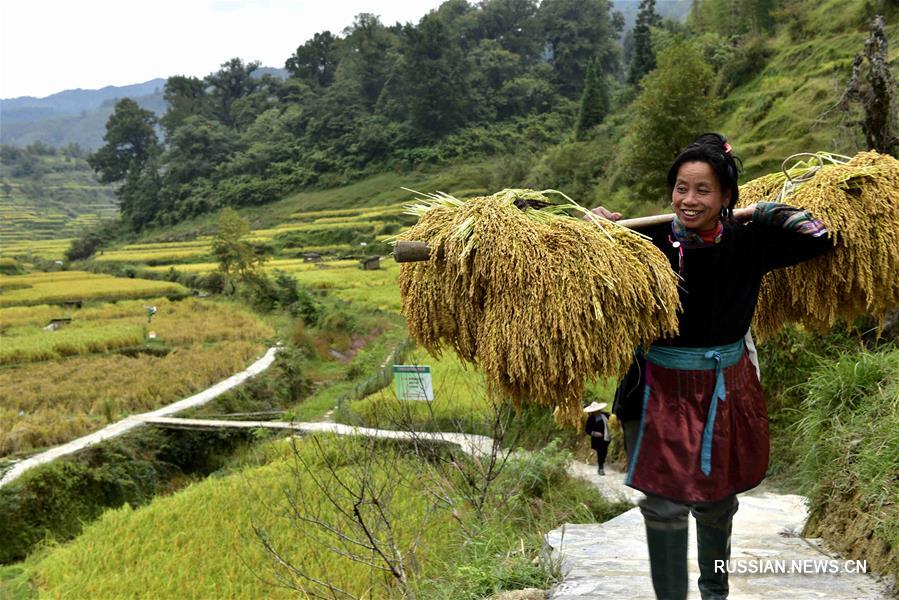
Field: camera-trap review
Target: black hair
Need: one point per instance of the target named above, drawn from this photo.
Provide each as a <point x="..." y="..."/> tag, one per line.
<point x="712" y="148"/>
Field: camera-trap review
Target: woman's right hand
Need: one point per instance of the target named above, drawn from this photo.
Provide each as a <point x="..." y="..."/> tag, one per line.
<point x="605" y="213"/>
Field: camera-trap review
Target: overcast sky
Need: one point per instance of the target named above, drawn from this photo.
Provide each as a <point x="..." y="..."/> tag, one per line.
<point x="47" y="46"/>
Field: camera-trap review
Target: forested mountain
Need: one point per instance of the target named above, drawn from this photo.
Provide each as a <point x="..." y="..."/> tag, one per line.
<point x="549" y="86"/>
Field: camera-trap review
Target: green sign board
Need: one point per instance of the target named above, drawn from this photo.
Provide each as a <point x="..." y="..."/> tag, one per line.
<point x="413" y="382"/>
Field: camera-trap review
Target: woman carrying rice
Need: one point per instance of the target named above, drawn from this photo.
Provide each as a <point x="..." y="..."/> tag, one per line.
<point x="692" y="409"/>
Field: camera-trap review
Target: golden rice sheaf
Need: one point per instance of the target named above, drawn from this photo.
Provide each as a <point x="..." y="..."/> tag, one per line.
<point x="528" y="300"/>
<point x="857" y="201"/>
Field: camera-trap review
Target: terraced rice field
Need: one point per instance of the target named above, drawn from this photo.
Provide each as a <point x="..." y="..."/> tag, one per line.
<point x="79" y="286"/>
<point x="144" y="254"/>
<point x="58" y="385"/>
<point x="62" y="211"/>
<point x="346" y="279"/>
<point x="46" y="249"/>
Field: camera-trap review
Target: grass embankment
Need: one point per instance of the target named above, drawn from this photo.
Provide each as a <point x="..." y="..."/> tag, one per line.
<point x="848" y="436"/>
<point x="172" y="548"/>
<point x="780" y="110"/>
<point x="833" y="400"/>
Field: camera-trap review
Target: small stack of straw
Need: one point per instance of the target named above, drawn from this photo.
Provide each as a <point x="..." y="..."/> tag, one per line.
<point x="858" y="200"/>
<point x="541" y="301"/>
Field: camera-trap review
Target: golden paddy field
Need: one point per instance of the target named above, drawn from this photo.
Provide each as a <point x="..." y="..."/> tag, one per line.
<point x="58" y="385"/>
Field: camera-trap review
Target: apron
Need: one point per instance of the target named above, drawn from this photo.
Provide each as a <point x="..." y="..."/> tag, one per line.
<point x="703" y="431"/>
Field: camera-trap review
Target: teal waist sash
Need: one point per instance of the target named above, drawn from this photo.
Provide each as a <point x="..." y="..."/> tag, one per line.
<point x="701" y="359"/>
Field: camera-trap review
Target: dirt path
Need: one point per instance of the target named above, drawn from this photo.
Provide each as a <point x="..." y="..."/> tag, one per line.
<point x="609" y="560"/>
<point x="129" y="423"/>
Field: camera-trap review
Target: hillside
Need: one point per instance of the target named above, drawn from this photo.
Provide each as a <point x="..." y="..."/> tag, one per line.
<point x="49" y="194"/>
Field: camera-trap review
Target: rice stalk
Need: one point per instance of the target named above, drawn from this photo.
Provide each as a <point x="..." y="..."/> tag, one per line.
<point x="858" y="201"/>
<point x="539" y="300"/>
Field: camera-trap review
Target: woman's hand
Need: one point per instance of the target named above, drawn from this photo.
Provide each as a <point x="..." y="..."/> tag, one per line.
<point x="744" y="215"/>
<point x="604" y="213"/>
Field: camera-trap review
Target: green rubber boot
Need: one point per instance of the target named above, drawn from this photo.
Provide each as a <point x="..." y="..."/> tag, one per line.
<point x="713" y="544"/>
<point x="668" y="561"/>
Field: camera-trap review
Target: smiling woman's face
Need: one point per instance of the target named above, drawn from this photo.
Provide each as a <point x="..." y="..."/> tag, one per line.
<point x="697" y="197"/>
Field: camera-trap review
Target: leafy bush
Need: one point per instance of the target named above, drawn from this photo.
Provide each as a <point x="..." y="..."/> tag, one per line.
<point x="747" y="59"/>
<point x="340" y="318"/>
<point x="540" y="471"/>
<point x="92" y="239"/>
<point x="9" y="266"/>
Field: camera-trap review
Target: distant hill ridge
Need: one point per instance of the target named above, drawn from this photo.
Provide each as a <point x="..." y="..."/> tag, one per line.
<point x="79" y="116"/>
<point x="72" y="102"/>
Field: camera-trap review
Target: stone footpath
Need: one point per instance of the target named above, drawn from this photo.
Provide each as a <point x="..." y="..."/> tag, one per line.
<point x="609" y="560"/>
<point x="129" y="423"/>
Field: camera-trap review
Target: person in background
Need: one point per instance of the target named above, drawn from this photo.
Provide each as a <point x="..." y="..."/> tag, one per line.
<point x="597" y="427"/>
<point x="691" y="407"/>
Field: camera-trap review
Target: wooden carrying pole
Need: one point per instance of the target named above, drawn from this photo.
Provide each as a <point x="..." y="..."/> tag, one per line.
<point x="412" y="251"/>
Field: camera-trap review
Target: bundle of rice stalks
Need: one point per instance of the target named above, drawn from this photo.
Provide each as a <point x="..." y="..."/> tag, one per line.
<point x="541" y="301"/>
<point x="858" y="200"/>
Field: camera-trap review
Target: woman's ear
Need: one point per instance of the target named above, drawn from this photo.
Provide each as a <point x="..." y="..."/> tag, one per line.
<point x="727" y="196"/>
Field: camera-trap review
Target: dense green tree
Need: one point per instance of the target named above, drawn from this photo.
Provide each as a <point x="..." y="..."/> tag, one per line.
<point x="576" y="32"/>
<point x="431" y="72"/>
<point x="264" y="95"/>
<point x="369" y="54"/>
<point x="674" y="106"/>
<point x="139" y="196"/>
<point x="130" y="142"/>
<point x="490" y="66"/>
<point x="233" y="81"/>
<point x="643" y="58"/>
<point x="531" y="92"/>
<point x="316" y="61"/>
<point x="594" y="102"/>
<point x="197" y="147"/>
<point x="237" y="258"/>
<point x="513" y="25"/>
<point x="130" y="155"/>
<point x="184" y="96"/>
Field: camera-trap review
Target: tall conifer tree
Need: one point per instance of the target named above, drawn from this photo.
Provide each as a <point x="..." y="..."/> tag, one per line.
<point x="594" y="101"/>
<point x="643" y="59"/>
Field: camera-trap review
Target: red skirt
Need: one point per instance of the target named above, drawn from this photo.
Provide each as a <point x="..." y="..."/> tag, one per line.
<point x="666" y="458"/>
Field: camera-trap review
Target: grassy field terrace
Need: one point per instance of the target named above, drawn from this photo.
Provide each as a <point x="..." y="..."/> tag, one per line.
<point x="79" y="286"/>
<point x="45" y="249"/>
<point x="106" y="359"/>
